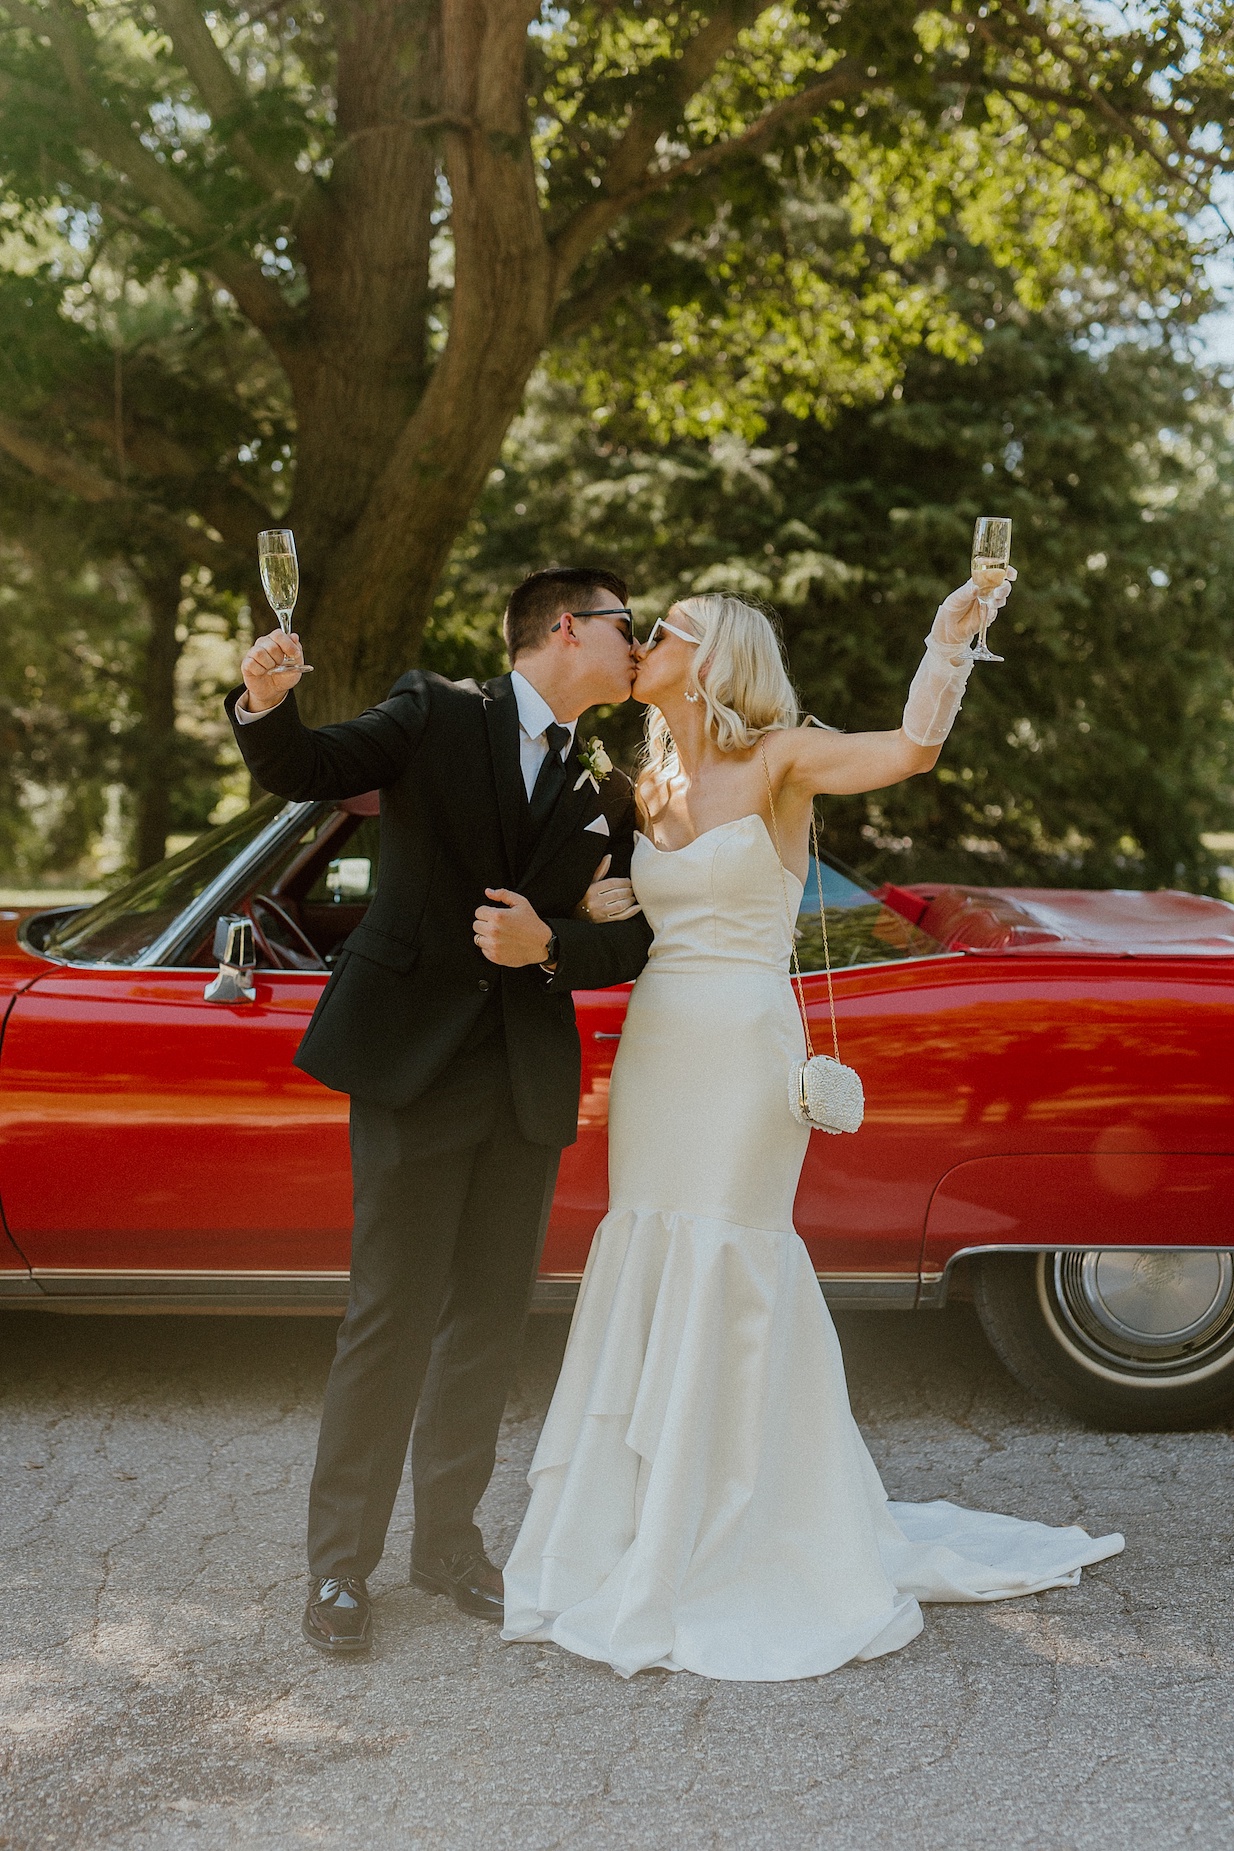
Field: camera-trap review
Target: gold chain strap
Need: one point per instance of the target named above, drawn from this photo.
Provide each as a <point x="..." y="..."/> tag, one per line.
<point x="792" y="923"/>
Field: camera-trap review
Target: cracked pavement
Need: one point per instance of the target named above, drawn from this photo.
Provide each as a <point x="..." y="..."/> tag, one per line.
<point x="155" y="1693"/>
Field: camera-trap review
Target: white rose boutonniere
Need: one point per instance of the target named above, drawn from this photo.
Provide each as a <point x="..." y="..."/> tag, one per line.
<point x="596" y="765"/>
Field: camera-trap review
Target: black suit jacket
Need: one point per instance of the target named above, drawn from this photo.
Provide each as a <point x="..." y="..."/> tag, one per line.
<point x="411" y="983"/>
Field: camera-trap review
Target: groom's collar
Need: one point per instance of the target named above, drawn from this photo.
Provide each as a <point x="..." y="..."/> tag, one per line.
<point x="534" y="712"/>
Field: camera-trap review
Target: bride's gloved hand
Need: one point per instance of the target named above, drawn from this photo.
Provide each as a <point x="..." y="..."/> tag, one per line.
<point x="958" y="618"/>
<point x="607" y="900"/>
<point x="938" y="686"/>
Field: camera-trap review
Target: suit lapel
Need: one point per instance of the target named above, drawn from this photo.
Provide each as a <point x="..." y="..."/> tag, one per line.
<point x="501" y="715"/>
<point x="573" y="810"/>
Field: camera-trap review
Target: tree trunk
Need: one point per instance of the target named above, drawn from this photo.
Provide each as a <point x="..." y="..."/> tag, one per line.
<point x="156" y="738"/>
<point x="369" y="587"/>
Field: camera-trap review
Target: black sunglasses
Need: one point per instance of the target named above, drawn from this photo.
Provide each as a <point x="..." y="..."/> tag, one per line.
<point x="623" y="617"/>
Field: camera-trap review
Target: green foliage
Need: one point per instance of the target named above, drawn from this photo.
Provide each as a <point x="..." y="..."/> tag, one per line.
<point x="74" y="731"/>
<point x="228" y="241"/>
<point x="1101" y="750"/>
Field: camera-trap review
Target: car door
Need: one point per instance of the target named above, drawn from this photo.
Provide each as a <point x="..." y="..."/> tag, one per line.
<point x="148" y="1131"/>
<point x="862" y="1199"/>
<point x="151" y="1136"/>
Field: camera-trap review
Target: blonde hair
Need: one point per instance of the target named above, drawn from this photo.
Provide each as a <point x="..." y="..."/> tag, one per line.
<point x="738" y="673"/>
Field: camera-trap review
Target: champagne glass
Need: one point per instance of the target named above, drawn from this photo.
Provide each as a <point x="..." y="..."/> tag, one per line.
<point x="280" y="577"/>
<point x="991" y="557"/>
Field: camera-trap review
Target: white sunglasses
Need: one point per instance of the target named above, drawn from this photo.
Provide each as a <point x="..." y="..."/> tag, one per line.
<point x="662" y="623"/>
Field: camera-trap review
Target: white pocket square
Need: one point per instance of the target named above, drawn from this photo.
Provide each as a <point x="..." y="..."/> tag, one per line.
<point x="599" y="827"/>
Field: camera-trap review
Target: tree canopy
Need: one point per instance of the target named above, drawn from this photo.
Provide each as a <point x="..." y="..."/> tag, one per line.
<point x="1101" y="751"/>
<point x="300" y="262"/>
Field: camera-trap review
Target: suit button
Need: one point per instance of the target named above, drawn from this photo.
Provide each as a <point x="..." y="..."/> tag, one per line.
<point x="485" y="984"/>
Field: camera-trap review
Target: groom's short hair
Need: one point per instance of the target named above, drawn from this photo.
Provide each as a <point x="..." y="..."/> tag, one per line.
<point x="540" y="600"/>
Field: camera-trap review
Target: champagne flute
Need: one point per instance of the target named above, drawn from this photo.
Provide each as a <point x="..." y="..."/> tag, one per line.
<point x="991" y="557"/>
<point x="280" y="578"/>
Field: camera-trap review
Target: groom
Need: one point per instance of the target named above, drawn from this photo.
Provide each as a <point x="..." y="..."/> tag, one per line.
<point x="448" y="1019"/>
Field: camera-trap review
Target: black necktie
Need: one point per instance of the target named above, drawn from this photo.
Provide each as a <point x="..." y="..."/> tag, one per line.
<point x="550" y="781"/>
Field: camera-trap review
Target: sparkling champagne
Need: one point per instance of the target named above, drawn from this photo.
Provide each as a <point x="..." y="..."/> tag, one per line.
<point x="990" y="560"/>
<point x="280" y="577"/>
<point x="988" y="574"/>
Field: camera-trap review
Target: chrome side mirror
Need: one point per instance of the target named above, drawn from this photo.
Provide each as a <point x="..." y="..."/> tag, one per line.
<point x="233" y="947"/>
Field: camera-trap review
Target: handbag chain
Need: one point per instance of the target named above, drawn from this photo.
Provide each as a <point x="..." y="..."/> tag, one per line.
<point x="792" y="923"/>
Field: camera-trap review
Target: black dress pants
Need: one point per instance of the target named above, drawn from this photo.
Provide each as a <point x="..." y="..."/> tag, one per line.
<point x="451" y="1205"/>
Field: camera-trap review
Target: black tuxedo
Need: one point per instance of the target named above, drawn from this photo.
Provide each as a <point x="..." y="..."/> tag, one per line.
<point x="411" y="983"/>
<point x="464" y="1082"/>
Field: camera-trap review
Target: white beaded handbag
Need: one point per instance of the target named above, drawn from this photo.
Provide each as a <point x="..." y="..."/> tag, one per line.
<point x="822" y="1092"/>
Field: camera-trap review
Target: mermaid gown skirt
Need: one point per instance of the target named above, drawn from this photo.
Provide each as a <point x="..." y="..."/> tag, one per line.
<point x="702" y="1498"/>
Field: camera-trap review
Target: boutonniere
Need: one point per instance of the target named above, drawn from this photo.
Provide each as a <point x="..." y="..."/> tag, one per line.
<point x="596" y="765"/>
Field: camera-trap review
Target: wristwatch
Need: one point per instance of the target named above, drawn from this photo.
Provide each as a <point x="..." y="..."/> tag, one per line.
<point x="549" y="960"/>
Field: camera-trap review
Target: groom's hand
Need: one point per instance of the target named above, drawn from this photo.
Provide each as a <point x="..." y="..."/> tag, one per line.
<point x="511" y="933"/>
<point x="270" y="668"/>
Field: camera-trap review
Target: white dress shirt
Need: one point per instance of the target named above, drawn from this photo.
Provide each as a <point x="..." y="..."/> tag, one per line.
<point x="534" y="714"/>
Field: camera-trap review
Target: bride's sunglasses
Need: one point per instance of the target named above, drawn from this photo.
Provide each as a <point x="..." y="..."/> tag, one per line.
<point x="658" y="628"/>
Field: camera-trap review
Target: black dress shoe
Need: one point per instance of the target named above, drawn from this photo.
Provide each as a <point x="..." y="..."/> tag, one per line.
<point x="338" y="1617"/>
<point x="468" y="1577"/>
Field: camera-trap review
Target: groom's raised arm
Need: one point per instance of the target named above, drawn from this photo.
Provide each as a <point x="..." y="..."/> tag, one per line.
<point x="332" y="762"/>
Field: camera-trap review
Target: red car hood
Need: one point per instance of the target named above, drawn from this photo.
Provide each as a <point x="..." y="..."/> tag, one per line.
<point x="1118" y="922"/>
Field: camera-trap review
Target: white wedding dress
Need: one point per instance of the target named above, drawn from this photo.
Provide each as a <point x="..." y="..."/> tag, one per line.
<point x="702" y="1499"/>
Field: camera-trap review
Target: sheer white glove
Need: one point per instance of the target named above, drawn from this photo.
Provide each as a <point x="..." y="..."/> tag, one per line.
<point x="938" y="686"/>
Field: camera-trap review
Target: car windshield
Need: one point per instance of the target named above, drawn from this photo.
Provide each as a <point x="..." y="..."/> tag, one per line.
<point x="861" y="928"/>
<point x="122" y="928"/>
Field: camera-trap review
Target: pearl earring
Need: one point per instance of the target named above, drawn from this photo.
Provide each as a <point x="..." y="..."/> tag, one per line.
<point x="693" y="699"/>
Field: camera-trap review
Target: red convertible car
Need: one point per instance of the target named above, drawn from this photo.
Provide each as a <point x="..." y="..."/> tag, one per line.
<point x="1049" y="1130"/>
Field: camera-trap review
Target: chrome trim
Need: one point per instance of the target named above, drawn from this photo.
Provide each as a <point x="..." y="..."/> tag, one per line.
<point x="139" y="1289"/>
<point x="135" y="1289"/>
<point x="1081" y="1323"/>
<point x="18" y="1289"/>
<point x="869" y="1291"/>
<point x="555" y="1293"/>
<point x="140" y="1280"/>
<point x="935" y="1286"/>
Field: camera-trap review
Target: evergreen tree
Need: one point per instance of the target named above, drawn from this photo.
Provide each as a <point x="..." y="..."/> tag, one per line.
<point x="1101" y="750"/>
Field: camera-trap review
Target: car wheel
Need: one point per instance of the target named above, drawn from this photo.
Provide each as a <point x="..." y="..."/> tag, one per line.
<point x="1126" y="1338"/>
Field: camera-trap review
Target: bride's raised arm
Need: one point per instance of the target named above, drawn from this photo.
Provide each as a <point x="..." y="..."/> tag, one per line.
<point x="816" y="760"/>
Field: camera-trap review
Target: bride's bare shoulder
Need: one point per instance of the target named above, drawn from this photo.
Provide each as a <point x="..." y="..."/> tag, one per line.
<point x="801" y="751"/>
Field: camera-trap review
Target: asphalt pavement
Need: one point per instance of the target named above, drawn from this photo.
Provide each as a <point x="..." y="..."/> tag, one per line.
<point x="155" y="1693"/>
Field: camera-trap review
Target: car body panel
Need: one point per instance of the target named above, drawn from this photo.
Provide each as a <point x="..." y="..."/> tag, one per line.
<point x="1061" y="1070"/>
<point x="1122" y="1193"/>
<point x="143" y="1127"/>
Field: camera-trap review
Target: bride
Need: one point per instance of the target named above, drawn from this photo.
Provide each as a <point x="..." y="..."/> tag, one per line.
<point x="702" y="1499"/>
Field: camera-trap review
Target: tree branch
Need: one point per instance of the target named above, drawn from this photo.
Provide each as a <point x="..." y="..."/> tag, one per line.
<point x="1089" y="85"/>
<point x="628" y="160"/>
<point x="844" y="79"/>
<point x="615" y="275"/>
<point x="224" y="96"/>
<point x="260" y="300"/>
<point x="60" y="470"/>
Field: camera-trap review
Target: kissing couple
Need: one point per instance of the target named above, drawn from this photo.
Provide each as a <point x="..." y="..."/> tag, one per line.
<point x="701" y="1498"/>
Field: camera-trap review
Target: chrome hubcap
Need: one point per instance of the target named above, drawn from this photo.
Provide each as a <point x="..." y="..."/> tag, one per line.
<point x="1150" y="1314"/>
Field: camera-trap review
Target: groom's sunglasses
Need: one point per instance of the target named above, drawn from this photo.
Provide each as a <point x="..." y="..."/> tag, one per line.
<point x="622" y="617"/>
